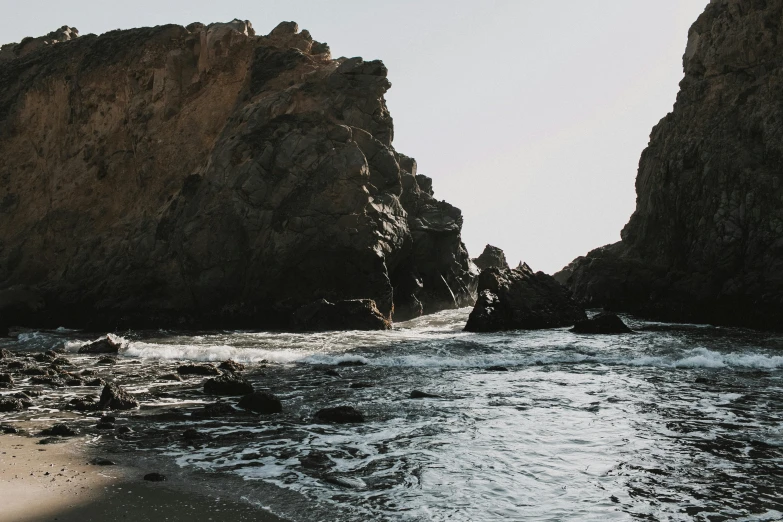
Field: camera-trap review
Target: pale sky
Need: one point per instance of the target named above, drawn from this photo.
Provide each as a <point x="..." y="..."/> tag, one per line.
<point x="529" y="115"/>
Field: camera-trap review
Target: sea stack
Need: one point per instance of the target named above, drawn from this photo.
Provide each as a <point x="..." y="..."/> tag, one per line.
<point x="705" y="243"/>
<point x="206" y="176"/>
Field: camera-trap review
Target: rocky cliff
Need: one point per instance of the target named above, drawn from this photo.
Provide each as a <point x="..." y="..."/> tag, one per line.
<point x="705" y="243"/>
<point x="207" y="176"/>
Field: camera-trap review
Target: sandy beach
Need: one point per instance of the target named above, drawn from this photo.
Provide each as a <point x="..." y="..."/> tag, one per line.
<point x="61" y="482"/>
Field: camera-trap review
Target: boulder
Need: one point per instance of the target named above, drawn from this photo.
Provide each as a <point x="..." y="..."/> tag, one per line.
<point x="354" y="314"/>
<point x="102" y="345"/>
<point x="518" y="299"/>
<point x="198" y="369"/>
<point x="261" y="402"/>
<point x="228" y="384"/>
<point x="9" y="404"/>
<point x="491" y="257"/>
<point x="115" y="398"/>
<point x="59" y="430"/>
<point x="231" y="366"/>
<point x="603" y="323"/>
<point x="339" y="415"/>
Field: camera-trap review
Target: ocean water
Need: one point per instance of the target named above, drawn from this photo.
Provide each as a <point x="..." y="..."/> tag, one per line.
<point x="673" y="422"/>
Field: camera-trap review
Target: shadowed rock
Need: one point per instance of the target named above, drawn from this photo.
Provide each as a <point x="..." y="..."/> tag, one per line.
<point x="491" y="257"/>
<point x="198" y="369"/>
<point x="103" y="345"/>
<point x="355" y="314"/>
<point x="261" y="402"/>
<point x="603" y="323"/>
<point x="9" y="404"/>
<point x="339" y="415"/>
<point x="228" y="384"/>
<point x="519" y="299"/>
<point x="115" y="398"/>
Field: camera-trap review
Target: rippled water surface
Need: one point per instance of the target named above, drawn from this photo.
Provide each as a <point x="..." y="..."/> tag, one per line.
<point x="674" y="422"/>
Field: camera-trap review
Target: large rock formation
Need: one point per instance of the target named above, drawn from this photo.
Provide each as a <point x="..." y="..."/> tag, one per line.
<point x="207" y="176"/>
<point x="519" y="299"/>
<point x="492" y="256"/>
<point x="705" y="243"/>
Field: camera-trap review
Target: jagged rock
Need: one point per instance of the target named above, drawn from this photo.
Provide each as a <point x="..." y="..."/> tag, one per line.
<point x="491" y="257"/>
<point x="228" y="384"/>
<point x="704" y="243"/>
<point x="102" y="345"/>
<point x="115" y="398"/>
<point x="16" y="50"/>
<point x="261" y="402"/>
<point x="5" y="354"/>
<point x="198" y="369"/>
<point x="8" y="404"/>
<point x="519" y="299"/>
<point x="339" y="415"/>
<point x="603" y="323"/>
<point x="208" y="177"/>
<point x="355" y="314"/>
<point x="59" y="430"/>
<point x="231" y="366"/>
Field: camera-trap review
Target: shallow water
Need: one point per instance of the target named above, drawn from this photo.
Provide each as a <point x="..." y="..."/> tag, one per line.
<point x="675" y="422"/>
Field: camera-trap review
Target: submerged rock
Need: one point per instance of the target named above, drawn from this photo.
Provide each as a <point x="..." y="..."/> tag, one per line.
<point x="214" y="410"/>
<point x="298" y="196"/>
<point x="491" y="257"/>
<point x="354" y="314"/>
<point x="115" y="398"/>
<point x="261" y="402"/>
<point x="704" y="243"/>
<point x="603" y="323"/>
<point x="102" y="345"/>
<point x="228" y="384"/>
<point x="519" y="299"/>
<point x="339" y="415"/>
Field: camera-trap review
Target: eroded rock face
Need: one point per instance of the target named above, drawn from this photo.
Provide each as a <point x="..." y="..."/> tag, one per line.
<point x="491" y="257"/>
<point x="518" y="299"/>
<point x="207" y="176"/>
<point x="705" y="243"/>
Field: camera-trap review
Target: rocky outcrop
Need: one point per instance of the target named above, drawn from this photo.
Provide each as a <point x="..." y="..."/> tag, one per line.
<point x="115" y="398"/>
<point x="103" y="345"/>
<point x="206" y="176"/>
<point x="353" y="314"/>
<point x="705" y="243"/>
<point x="519" y="299"/>
<point x="491" y="257"/>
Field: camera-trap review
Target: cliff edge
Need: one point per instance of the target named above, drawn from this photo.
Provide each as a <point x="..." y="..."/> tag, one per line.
<point x="204" y="176"/>
<point x="705" y="243"/>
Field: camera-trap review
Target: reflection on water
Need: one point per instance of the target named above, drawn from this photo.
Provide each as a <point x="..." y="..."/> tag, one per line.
<point x="675" y="422"/>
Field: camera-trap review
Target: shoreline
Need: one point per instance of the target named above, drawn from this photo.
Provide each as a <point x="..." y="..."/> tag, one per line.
<point x="59" y="482"/>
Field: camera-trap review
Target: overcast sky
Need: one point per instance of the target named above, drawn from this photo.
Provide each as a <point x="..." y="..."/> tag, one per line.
<point x="529" y="115"/>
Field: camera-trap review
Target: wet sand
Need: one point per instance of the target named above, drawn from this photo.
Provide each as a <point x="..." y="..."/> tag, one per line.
<point x="59" y="482"/>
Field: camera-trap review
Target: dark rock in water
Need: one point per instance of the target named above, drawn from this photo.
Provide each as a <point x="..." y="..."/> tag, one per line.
<point x="43" y="357"/>
<point x="497" y="369"/>
<point x="8" y="404"/>
<point x="491" y="257"/>
<point x="219" y="409"/>
<point x="357" y="385"/>
<point x="83" y="404"/>
<point x="418" y="394"/>
<point x="316" y="460"/>
<point x="124" y="430"/>
<point x="61" y="361"/>
<point x="354" y="314"/>
<point x="261" y="402"/>
<point x="102" y="462"/>
<point x="89" y="372"/>
<point x="105" y="426"/>
<point x="59" y="430"/>
<point x="107" y="418"/>
<point x="352" y="362"/>
<point x="332" y="373"/>
<point x="198" y="369"/>
<point x="170" y="377"/>
<point x="193" y="434"/>
<point x="5" y="354"/>
<point x="704" y="243"/>
<point x="155" y="477"/>
<point x="105" y="361"/>
<point x="74" y="382"/>
<point x="17" y="365"/>
<point x="8" y="430"/>
<point x="228" y="384"/>
<point x="34" y="370"/>
<point x="115" y="398"/>
<point x="47" y="381"/>
<point x="102" y="345"/>
<point x="51" y="440"/>
<point x="95" y="382"/>
<point x="603" y="323"/>
<point x="6" y="378"/>
<point x="519" y="299"/>
<point x="704" y="380"/>
<point x="292" y="201"/>
<point x="339" y="415"/>
<point x="231" y="366"/>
